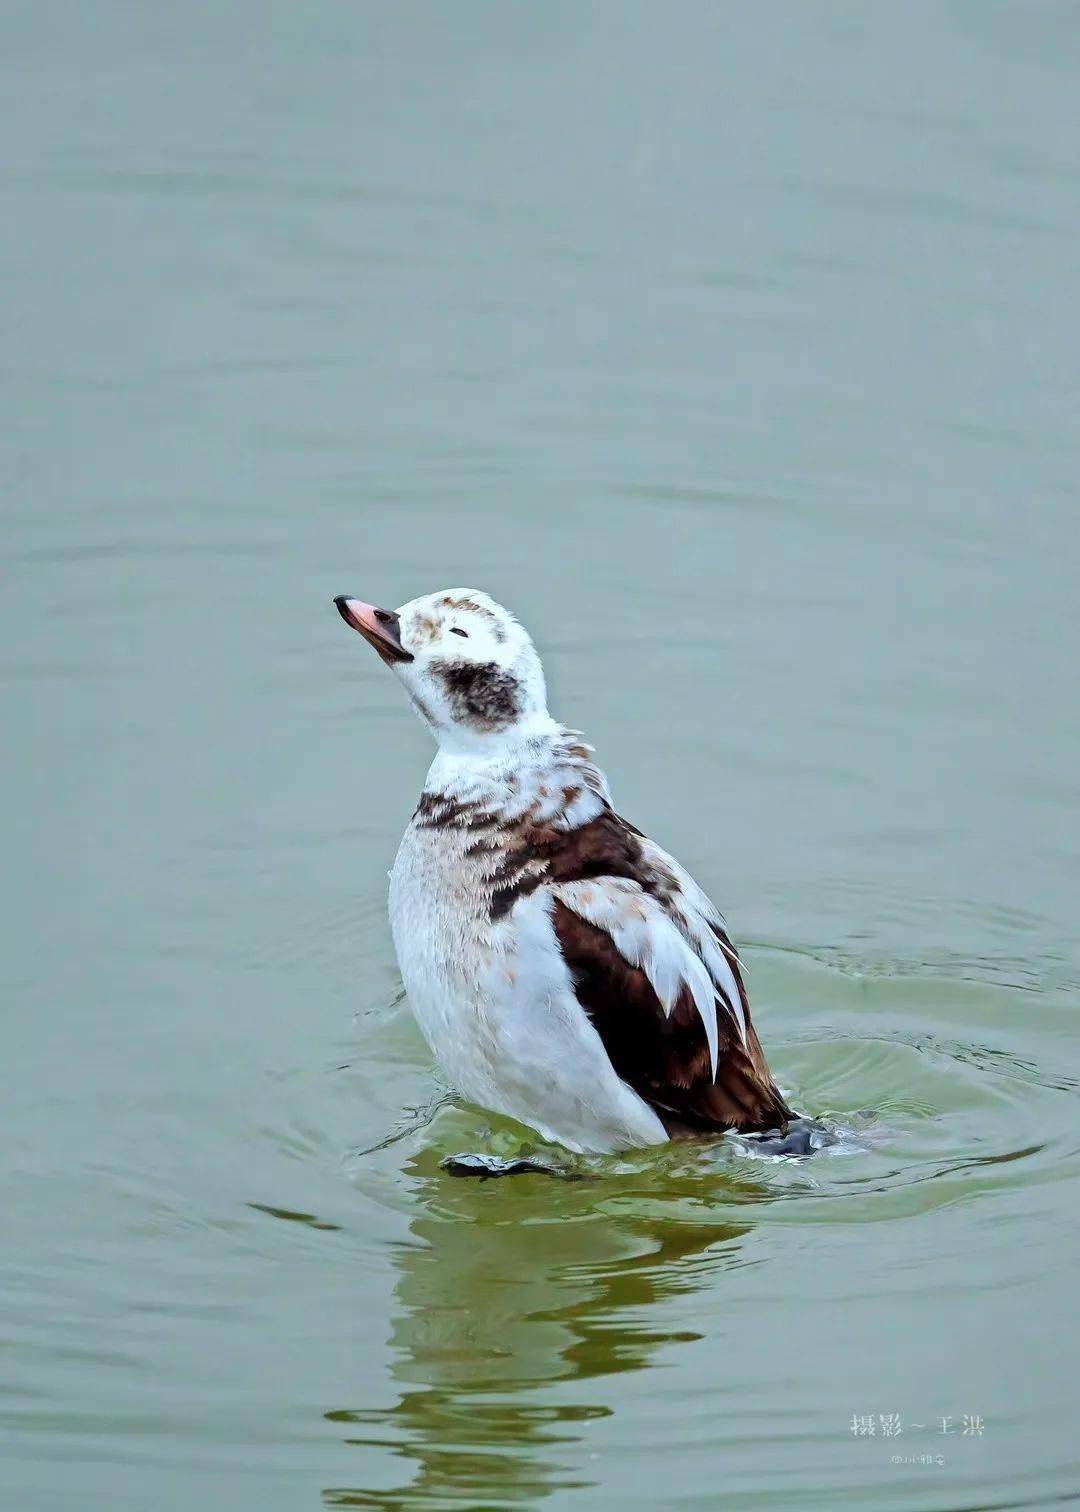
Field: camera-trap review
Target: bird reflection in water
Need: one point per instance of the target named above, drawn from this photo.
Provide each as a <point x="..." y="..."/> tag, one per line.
<point x="513" y="1290"/>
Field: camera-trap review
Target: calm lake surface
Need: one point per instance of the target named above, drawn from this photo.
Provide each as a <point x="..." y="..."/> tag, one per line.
<point x="736" y="349"/>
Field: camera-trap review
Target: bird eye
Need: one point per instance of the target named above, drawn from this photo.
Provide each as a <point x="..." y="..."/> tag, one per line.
<point x="455" y="631"/>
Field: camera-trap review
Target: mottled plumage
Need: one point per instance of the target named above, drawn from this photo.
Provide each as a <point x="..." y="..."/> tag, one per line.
<point x="565" y="970"/>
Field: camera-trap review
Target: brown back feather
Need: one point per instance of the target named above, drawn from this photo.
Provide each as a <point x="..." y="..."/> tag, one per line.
<point x="664" y="1057"/>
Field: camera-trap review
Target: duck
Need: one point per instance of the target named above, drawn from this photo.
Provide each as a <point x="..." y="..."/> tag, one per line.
<point x="564" y="969"/>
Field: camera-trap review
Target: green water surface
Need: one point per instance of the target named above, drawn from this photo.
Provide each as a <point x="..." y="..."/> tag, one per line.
<point x="735" y="348"/>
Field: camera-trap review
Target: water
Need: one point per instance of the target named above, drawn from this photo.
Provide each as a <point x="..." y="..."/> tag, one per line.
<point x="735" y="348"/>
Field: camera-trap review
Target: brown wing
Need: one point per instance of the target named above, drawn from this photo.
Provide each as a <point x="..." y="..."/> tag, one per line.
<point x="665" y="1057"/>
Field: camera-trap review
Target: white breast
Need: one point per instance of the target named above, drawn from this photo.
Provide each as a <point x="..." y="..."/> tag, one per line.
<point x="496" y="1004"/>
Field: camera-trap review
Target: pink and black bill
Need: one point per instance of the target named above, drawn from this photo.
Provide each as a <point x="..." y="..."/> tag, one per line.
<point x="381" y="628"/>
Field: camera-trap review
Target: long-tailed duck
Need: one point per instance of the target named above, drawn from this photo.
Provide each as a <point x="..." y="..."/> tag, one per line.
<point x="563" y="968"/>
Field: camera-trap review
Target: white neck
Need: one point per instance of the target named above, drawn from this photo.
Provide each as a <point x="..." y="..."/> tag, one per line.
<point x="462" y="751"/>
<point x="539" y="768"/>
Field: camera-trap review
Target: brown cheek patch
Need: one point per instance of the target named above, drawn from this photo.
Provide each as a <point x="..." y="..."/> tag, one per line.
<point x="482" y="695"/>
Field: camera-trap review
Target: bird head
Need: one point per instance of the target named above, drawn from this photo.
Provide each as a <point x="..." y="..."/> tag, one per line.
<point x="471" y="671"/>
